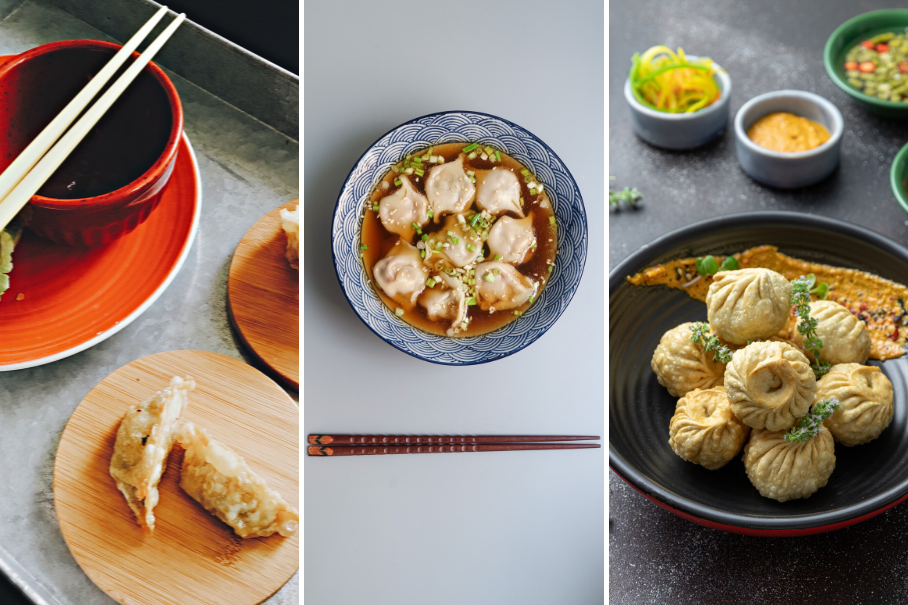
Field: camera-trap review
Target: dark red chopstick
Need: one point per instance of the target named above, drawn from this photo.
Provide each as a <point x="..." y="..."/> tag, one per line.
<point x="437" y="439"/>
<point x="371" y="450"/>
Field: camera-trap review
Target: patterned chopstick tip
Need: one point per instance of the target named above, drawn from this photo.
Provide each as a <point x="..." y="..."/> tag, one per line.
<point x="315" y="450"/>
<point x="320" y="439"/>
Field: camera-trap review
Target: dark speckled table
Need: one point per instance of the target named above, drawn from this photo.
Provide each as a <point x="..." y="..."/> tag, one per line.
<point x="655" y="557"/>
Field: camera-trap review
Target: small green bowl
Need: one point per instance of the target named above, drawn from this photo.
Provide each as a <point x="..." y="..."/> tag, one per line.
<point x="849" y="34"/>
<point x="898" y="177"/>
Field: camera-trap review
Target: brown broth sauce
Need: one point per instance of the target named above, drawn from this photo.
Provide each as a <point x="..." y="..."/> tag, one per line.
<point x="380" y="241"/>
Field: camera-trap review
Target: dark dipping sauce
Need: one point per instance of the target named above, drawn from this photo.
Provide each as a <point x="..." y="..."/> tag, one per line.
<point x="122" y="146"/>
<point x="536" y="267"/>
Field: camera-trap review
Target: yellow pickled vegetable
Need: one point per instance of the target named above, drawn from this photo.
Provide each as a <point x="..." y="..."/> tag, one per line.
<point x="666" y="81"/>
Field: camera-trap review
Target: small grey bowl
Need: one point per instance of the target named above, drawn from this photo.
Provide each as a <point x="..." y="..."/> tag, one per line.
<point x="681" y="130"/>
<point x="789" y="170"/>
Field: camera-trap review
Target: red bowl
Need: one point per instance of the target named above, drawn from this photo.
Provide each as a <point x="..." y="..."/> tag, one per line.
<point x="115" y="177"/>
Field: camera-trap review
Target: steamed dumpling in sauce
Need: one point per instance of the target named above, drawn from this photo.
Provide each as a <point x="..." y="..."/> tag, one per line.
<point x="499" y="192"/>
<point x="402" y="208"/>
<point x="512" y="238"/>
<point x="500" y="286"/>
<point x="458" y="253"/>
<point x="445" y="300"/>
<point x="449" y="189"/>
<point x="748" y="304"/>
<point x="401" y="274"/>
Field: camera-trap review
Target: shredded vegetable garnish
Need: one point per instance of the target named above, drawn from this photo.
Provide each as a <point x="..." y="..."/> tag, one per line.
<point x="666" y="81"/>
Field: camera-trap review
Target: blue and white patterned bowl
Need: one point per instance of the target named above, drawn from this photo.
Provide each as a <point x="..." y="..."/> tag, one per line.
<point x="452" y="127"/>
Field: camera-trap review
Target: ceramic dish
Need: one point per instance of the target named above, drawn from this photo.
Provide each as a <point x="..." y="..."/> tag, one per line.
<point x="898" y="177"/>
<point x="867" y="480"/>
<point x="447" y="127"/>
<point x="681" y="130"/>
<point x="852" y="32"/>
<point x="789" y="170"/>
<point x="74" y="298"/>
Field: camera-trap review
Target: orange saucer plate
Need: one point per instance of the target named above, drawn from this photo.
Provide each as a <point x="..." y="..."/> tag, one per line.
<point x="63" y="300"/>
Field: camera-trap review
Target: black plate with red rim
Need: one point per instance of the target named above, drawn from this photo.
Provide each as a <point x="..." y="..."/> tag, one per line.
<point x="868" y="479"/>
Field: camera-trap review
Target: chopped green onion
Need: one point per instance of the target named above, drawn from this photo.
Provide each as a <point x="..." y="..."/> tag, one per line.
<point x="495" y="271"/>
<point x="521" y="201"/>
<point x="532" y="299"/>
<point x="422" y="253"/>
<point x="424" y="237"/>
<point x="471" y="301"/>
<point x="527" y="179"/>
<point x="472" y="282"/>
<point x="420" y="172"/>
<point x="455" y="240"/>
<point x="431" y="149"/>
<point x="450" y="233"/>
<point x="471" y="247"/>
<point x="430" y="282"/>
<point x="524" y="172"/>
<point x="414" y="225"/>
<point x="410" y="170"/>
<point x="489" y="278"/>
<point x="399" y="312"/>
<point x="375" y="208"/>
<point x="497" y="155"/>
<point x="551" y="268"/>
<point x="497" y="257"/>
<point x="419" y="231"/>
<point x="532" y="192"/>
<point x="395" y="169"/>
<point x="425" y="158"/>
<point x="474" y="220"/>
<point x="364" y="247"/>
<point x="472" y="156"/>
<point x="488" y="150"/>
<point x="430" y="214"/>
<point x="518" y="313"/>
<point x="417" y="160"/>
<point x="551" y="220"/>
<point x="397" y="182"/>
<point x="470" y="148"/>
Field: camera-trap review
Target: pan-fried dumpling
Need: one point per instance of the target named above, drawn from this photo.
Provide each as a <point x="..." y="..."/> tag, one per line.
<point x="788" y="470"/>
<point x="499" y="192"/>
<point x="445" y="299"/>
<point x="449" y="188"/>
<point x="682" y="366"/>
<point x="511" y="239"/>
<point x="144" y="440"/>
<point x="500" y="286"/>
<point x="402" y="208"/>
<point x="845" y="337"/>
<point x="865" y="402"/>
<point x="458" y="245"/>
<point x="770" y="385"/>
<point x="220" y="480"/>
<point x="748" y="304"/>
<point x="401" y="274"/>
<point x="704" y="430"/>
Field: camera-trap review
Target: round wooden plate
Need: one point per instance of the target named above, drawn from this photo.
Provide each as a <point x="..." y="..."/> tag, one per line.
<point x="263" y="297"/>
<point x="191" y="558"/>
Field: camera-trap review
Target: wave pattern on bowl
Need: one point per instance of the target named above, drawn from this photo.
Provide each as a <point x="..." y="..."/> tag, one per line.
<point x="463" y="127"/>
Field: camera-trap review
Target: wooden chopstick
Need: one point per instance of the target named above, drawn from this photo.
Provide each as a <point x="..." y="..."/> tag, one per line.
<point x="29" y="184"/>
<point x="26" y="160"/>
<point x="371" y="450"/>
<point x="437" y="439"/>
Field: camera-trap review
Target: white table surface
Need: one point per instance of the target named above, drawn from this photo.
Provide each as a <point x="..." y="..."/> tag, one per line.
<point x="502" y="527"/>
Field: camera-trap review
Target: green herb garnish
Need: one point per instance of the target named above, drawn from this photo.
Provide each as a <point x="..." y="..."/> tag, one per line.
<point x="709" y="342"/>
<point x="800" y="300"/>
<point x="708" y="265"/>
<point x="629" y="197"/>
<point x="810" y="424"/>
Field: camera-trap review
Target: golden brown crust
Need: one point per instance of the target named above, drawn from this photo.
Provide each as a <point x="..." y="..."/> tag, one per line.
<point x="865" y="402"/>
<point x="682" y="366"/>
<point x="704" y="430"/>
<point x="770" y="385"/>
<point x="845" y="337"/>
<point x="748" y="304"/>
<point x="788" y="470"/>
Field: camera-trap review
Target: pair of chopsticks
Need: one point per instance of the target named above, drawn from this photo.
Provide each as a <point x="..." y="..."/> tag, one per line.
<point x="29" y="171"/>
<point x="369" y="445"/>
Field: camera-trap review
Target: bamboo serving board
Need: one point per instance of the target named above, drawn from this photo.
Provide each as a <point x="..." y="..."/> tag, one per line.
<point x="263" y="297"/>
<point x="192" y="558"/>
